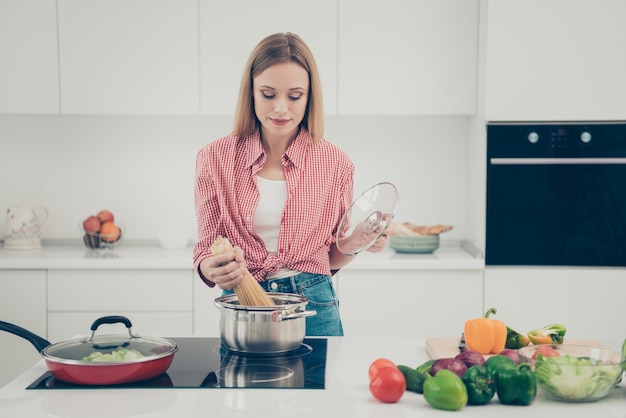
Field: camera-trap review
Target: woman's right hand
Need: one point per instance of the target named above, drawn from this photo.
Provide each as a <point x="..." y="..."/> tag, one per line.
<point x="225" y="270"/>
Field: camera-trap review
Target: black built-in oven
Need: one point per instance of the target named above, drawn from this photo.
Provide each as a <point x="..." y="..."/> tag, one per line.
<point x="556" y="194"/>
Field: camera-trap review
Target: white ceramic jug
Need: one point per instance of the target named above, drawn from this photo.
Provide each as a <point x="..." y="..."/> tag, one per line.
<point x="23" y="227"/>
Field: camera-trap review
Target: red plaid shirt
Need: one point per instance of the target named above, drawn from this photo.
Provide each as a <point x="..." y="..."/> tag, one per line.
<point x="320" y="189"/>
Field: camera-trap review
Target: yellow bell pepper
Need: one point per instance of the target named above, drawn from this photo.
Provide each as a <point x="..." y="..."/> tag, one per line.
<point x="485" y="335"/>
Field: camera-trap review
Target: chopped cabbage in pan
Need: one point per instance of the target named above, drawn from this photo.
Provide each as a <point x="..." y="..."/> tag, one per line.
<point x="119" y="354"/>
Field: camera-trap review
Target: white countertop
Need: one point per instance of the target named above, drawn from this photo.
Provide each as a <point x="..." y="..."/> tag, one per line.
<point x="450" y="256"/>
<point x="80" y="257"/>
<point x="346" y="394"/>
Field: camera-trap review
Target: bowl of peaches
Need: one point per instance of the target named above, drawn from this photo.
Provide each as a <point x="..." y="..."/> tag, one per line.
<point x="100" y="231"/>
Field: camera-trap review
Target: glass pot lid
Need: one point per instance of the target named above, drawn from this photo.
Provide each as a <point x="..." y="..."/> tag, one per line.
<point x="367" y="218"/>
<point x="118" y="348"/>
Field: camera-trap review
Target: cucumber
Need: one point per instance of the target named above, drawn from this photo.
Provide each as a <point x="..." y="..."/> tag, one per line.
<point x="414" y="379"/>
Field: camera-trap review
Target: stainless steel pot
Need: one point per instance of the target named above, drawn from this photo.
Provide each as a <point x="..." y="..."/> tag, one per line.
<point x="263" y="329"/>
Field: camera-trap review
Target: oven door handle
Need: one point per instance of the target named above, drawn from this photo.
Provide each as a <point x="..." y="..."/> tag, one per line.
<point x="555" y="161"/>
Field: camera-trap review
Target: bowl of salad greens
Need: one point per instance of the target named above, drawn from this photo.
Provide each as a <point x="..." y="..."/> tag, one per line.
<point x="574" y="373"/>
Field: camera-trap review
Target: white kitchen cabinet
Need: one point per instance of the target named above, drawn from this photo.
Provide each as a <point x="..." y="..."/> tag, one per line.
<point x="555" y="60"/>
<point x="206" y="316"/>
<point x="404" y="57"/>
<point x="426" y="303"/>
<point x="29" y="72"/>
<point x="23" y="303"/>
<point x="588" y="301"/>
<point x="129" y="57"/>
<point x="158" y="302"/>
<point x="230" y="31"/>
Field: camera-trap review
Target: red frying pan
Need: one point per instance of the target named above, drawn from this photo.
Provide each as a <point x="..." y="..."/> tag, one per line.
<point x="102" y="359"/>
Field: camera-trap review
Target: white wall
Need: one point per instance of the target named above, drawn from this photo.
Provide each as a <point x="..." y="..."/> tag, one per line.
<point x="142" y="168"/>
<point x="477" y="146"/>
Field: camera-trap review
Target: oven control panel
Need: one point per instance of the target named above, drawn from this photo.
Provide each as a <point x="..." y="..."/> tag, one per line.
<point x="547" y="140"/>
<point x="561" y="137"/>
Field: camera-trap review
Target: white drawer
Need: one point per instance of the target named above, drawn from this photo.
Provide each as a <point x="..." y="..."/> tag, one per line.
<point x="120" y="290"/>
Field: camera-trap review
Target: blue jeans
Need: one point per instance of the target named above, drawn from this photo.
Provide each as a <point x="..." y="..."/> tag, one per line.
<point x="321" y="296"/>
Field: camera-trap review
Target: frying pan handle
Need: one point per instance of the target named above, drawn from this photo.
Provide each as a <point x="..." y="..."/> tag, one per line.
<point x="39" y="342"/>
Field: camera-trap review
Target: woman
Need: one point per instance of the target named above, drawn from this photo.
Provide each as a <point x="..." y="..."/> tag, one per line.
<point x="275" y="187"/>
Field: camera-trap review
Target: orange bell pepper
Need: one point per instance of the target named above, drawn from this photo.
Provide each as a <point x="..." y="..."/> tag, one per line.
<point x="484" y="335"/>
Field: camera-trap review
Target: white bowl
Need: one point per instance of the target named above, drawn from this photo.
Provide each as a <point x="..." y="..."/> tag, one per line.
<point x="173" y="239"/>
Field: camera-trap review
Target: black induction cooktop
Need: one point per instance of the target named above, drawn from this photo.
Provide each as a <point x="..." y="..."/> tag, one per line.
<point x="205" y="363"/>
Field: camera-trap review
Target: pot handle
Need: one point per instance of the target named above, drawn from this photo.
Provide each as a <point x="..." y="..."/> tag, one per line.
<point x="37" y="341"/>
<point x="111" y="319"/>
<point x="299" y="314"/>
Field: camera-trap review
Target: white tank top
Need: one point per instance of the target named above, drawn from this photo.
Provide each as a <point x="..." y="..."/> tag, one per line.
<point x="269" y="212"/>
<point x="267" y="217"/>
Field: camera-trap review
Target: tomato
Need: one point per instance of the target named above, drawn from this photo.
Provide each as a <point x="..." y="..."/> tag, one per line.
<point x="546" y="351"/>
<point x="379" y="364"/>
<point x="388" y="385"/>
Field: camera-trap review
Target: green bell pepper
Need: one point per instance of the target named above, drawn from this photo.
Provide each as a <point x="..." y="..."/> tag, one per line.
<point x="516" y="385"/>
<point x="480" y="385"/>
<point x="414" y="378"/>
<point x="445" y="391"/>
<point x="426" y="366"/>
<point x="498" y="362"/>
<point x="515" y="340"/>
<point x="550" y="334"/>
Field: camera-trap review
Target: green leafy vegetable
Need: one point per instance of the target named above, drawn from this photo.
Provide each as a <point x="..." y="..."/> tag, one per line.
<point x="576" y="378"/>
<point x="119" y="354"/>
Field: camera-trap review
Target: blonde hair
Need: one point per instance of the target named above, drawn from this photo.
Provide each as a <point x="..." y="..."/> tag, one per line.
<point x="275" y="49"/>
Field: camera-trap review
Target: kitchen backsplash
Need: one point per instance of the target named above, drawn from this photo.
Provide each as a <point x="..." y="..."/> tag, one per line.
<point x="142" y="168"/>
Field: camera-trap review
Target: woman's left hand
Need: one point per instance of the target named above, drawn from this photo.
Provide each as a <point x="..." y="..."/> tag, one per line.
<point x="380" y="243"/>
